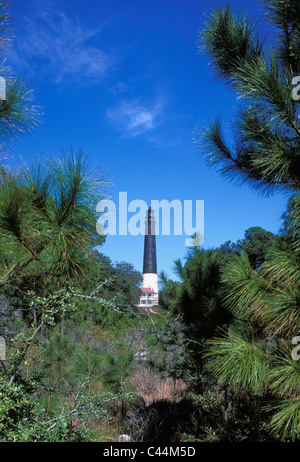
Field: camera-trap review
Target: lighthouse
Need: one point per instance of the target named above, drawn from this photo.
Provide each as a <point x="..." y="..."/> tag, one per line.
<point x="149" y="296"/>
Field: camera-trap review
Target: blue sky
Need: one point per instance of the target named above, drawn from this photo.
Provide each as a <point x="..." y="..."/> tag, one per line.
<point x="124" y="82"/>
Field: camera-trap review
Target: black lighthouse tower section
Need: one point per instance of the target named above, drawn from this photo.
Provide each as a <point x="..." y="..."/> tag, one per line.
<point x="150" y="265"/>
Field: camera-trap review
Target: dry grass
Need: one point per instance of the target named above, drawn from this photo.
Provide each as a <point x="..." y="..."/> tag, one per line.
<point x="151" y="387"/>
<point x="106" y="432"/>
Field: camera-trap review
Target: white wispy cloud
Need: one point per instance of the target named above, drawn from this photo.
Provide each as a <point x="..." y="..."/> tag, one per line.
<point x="134" y="118"/>
<point x="61" y="47"/>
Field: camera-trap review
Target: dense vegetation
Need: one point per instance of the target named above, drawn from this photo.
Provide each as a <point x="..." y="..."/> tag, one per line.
<point x="214" y="361"/>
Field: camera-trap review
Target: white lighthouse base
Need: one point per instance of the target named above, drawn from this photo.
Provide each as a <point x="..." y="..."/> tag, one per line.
<point x="150" y="281"/>
<point x="149" y="291"/>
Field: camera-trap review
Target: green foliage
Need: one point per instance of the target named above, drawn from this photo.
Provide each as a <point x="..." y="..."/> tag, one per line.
<point x="232" y="416"/>
<point x="285" y="420"/>
<point x="117" y="365"/>
<point x="88" y="361"/>
<point x="230" y="41"/>
<point x="48" y="309"/>
<point x="261" y="287"/>
<point x="291" y="223"/>
<point x="285" y="16"/>
<point x="269" y="295"/>
<point x="50" y="276"/>
<point x="24" y="419"/>
<point x="257" y="243"/>
<point x="284" y="376"/>
<point x="168" y="352"/>
<point x="57" y="353"/>
<point x="81" y="331"/>
<point x="18" y="114"/>
<point x="197" y="297"/>
<point x="127" y="282"/>
<point x="230" y="248"/>
<point x="267" y="298"/>
<point x="97" y="312"/>
<point x="266" y="128"/>
<point x="17" y="412"/>
<point x="238" y="362"/>
<point x="169" y="293"/>
<point x="112" y="288"/>
<point x="47" y="219"/>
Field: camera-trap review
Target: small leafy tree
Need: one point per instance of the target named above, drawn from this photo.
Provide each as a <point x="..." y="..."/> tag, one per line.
<point x="257" y="243"/>
<point x="17" y="412"/>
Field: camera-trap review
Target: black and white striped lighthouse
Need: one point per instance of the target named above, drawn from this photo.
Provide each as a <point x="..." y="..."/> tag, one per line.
<point x="150" y="281"/>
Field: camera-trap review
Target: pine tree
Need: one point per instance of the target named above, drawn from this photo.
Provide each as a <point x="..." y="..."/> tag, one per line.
<point x="18" y="114"/>
<point x="57" y="353"/>
<point x="48" y="219"/>
<point x="264" y="154"/>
